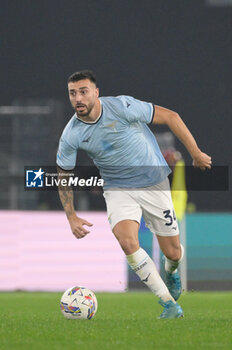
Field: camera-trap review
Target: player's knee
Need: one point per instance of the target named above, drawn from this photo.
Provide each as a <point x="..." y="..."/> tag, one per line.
<point x="173" y="253"/>
<point x="126" y="233"/>
<point x="128" y="245"/>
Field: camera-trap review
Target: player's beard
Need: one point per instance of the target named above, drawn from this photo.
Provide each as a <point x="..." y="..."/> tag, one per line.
<point x="86" y="112"/>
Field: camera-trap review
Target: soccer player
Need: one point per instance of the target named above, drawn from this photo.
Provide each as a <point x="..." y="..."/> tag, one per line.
<point x="114" y="133"/>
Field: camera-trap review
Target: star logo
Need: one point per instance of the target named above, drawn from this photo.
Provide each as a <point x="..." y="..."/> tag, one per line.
<point x="38" y="174"/>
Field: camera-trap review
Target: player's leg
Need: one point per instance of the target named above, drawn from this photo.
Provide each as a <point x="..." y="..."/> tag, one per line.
<point x="173" y="254"/>
<point x="124" y="215"/>
<point x="159" y="215"/>
<point x="173" y="251"/>
<point x="126" y="232"/>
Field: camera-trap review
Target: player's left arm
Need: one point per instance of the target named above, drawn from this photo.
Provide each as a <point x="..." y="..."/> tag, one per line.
<point x="178" y="127"/>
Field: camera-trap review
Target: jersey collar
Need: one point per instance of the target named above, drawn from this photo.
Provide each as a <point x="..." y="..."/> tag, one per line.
<point x="95" y="121"/>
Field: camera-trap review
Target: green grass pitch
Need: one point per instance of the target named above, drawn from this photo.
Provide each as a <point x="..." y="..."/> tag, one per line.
<point x="123" y="321"/>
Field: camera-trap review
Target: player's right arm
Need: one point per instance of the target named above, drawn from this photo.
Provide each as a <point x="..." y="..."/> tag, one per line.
<point x="66" y="159"/>
<point x="66" y="196"/>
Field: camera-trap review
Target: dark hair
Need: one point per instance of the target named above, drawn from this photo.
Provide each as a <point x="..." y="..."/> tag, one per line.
<point x="83" y="74"/>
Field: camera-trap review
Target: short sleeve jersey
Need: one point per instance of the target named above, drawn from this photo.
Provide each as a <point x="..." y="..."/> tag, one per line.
<point x="120" y="144"/>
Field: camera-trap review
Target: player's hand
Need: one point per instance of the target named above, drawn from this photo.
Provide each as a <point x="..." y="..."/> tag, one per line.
<point x="202" y="160"/>
<point x="77" y="226"/>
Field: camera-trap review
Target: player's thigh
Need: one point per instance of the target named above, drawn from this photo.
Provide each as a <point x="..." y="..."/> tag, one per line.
<point x="124" y="215"/>
<point x="121" y="206"/>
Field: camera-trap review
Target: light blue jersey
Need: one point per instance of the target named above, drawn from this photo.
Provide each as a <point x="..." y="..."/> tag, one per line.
<point x="119" y="142"/>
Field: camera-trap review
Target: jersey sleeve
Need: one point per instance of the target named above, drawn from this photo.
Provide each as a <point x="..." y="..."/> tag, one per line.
<point x="136" y="110"/>
<point x="66" y="155"/>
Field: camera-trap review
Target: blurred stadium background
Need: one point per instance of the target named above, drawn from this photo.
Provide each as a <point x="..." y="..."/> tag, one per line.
<point x="177" y="54"/>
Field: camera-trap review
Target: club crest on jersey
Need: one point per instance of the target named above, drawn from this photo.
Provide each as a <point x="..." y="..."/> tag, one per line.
<point x="112" y="125"/>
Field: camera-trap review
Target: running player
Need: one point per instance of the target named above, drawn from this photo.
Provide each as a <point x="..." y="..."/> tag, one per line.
<point x="114" y="133"/>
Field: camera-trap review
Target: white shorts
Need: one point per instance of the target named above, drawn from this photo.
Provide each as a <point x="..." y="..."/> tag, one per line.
<point x="153" y="203"/>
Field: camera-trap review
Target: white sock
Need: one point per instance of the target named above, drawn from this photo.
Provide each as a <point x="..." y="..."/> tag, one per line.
<point x="170" y="265"/>
<point x="145" y="268"/>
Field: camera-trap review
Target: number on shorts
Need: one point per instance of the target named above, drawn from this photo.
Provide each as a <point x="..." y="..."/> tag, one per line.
<point x="167" y="215"/>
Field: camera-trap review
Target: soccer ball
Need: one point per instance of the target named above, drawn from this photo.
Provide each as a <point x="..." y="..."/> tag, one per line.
<point x="78" y="303"/>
